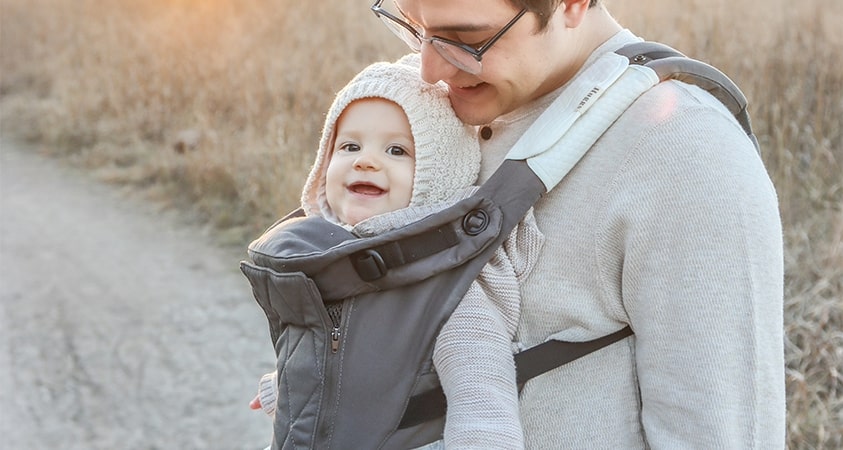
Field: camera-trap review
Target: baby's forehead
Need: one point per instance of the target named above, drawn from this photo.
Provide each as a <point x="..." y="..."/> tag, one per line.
<point x="374" y="114"/>
<point x="363" y="103"/>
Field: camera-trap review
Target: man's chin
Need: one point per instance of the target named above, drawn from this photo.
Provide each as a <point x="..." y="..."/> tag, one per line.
<point x="473" y="106"/>
<point x="472" y="114"/>
<point x="475" y="117"/>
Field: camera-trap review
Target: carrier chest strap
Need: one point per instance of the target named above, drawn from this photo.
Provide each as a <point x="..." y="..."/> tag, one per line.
<point x="373" y="263"/>
<point x="549" y="355"/>
<point x="529" y="364"/>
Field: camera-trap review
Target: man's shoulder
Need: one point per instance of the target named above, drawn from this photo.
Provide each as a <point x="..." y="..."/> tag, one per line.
<point x="674" y="97"/>
<point x="674" y="129"/>
<point x="684" y="110"/>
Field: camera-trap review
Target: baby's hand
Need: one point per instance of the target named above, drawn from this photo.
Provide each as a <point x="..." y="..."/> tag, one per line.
<point x="267" y="395"/>
<point x="256" y="402"/>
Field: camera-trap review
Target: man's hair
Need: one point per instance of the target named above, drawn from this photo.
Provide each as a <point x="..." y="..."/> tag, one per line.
<point x="543" y="9"/>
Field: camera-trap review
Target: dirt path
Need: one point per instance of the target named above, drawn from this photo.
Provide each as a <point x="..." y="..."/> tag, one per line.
<point x="120" y="328"/>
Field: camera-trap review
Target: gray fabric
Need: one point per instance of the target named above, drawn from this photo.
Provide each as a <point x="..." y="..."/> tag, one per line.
<point x="302" y="350"/>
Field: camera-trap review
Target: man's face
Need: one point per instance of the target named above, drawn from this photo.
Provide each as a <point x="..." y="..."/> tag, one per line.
<point x="372" y="161"/>
<point x="522" y="66"/>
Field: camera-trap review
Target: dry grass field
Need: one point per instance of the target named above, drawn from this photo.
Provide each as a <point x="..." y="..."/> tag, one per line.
<point x="215" y="106"/>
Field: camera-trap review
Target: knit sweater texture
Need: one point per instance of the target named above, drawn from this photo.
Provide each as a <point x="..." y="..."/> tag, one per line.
<point x="669" y="224"/>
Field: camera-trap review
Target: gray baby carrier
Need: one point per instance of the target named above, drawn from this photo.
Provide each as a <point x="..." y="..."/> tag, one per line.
<point x="354" y="320"/>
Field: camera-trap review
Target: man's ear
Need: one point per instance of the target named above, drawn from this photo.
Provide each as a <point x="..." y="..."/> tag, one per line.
<point x="574" y="11"/>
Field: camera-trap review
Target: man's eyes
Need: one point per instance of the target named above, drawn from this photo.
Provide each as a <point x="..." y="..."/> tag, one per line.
<point x="469" y="38"/>
<point x="472" y="40"/>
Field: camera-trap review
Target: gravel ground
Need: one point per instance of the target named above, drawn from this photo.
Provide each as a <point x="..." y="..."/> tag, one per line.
<point x="121" y="326"/>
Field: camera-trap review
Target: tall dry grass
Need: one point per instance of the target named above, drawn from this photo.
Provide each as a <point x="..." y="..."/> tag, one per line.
<point x="239" y="86"/>
<point x="215" y="107"/>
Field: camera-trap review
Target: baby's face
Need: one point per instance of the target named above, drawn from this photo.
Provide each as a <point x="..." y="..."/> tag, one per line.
<point x="372" y="163"/>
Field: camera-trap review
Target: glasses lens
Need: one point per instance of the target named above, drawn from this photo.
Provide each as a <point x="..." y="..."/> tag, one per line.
<point x="402" y="32"/>
<point x="457" y="56"/>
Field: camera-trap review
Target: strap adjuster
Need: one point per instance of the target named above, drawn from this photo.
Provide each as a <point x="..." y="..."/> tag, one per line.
<point x="369" y="264"/>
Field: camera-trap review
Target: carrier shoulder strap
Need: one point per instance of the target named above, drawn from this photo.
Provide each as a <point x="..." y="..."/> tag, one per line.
<point x="667" y="63"/>
<point x="670" y="64"/>
<point x="392" y="258"/>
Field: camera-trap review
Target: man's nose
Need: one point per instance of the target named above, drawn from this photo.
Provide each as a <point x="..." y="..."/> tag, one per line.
<point x="433" y="66"/>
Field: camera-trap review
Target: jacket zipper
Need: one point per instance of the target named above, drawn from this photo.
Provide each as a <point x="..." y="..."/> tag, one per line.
<point x="328" y="409"/>
<point x="335" y="314"/>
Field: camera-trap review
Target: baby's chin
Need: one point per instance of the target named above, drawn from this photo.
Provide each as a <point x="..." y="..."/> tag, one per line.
<point x="352" y="218"/>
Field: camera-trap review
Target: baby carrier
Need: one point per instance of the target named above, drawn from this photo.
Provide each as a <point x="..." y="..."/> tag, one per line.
<point x="354" y="320"/>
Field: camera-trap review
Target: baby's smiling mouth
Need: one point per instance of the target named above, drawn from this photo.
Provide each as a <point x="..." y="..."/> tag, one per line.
<point x="364" y="188"/>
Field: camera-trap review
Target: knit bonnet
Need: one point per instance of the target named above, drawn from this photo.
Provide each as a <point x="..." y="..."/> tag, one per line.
<point x="447" y="151"/>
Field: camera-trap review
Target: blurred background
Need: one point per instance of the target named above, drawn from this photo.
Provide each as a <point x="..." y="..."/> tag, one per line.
<point x="213" y="108"/>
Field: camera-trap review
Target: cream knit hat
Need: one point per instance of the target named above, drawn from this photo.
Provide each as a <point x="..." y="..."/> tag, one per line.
<point x="447" y="151"/>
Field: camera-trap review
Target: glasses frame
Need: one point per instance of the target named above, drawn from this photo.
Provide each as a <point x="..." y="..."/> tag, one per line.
<point x="476" y="53"/>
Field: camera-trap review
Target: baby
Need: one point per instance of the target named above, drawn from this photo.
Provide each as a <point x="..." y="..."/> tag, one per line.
<point x="392" y="151"/>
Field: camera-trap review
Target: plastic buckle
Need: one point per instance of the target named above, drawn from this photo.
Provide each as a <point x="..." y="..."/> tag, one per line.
<point x="475" y="222"/>
<point x="369" y="265"/>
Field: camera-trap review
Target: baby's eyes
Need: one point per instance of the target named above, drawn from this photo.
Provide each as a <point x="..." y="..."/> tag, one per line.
<point x="396" y="150"/>
<point x="392" y="150"/>
<point x="350" y="147"/>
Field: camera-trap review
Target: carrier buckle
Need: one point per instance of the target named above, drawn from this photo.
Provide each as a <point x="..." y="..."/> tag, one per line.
<point x="369" y="265"/>
<point x="475" y="222"/>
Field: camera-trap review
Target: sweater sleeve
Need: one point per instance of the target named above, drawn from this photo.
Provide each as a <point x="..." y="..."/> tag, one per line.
<point x="701" y="283"/>
<point x="268" y="393"/>
<point x="473" y="353"/>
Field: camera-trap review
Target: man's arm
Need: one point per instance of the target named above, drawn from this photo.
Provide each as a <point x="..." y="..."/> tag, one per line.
<point x="702" y="284"/>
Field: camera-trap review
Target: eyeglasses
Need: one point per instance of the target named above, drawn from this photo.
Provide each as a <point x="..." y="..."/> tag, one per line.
<point x="464" y="57"/>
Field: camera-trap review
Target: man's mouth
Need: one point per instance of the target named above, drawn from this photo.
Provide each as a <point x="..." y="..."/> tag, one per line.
<point x="364" y="188"/>
<point x="467" y="87"/>
<point x="468" y="91"/>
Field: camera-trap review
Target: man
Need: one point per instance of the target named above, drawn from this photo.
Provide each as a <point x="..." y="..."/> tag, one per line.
<point x="669" y="224"/>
